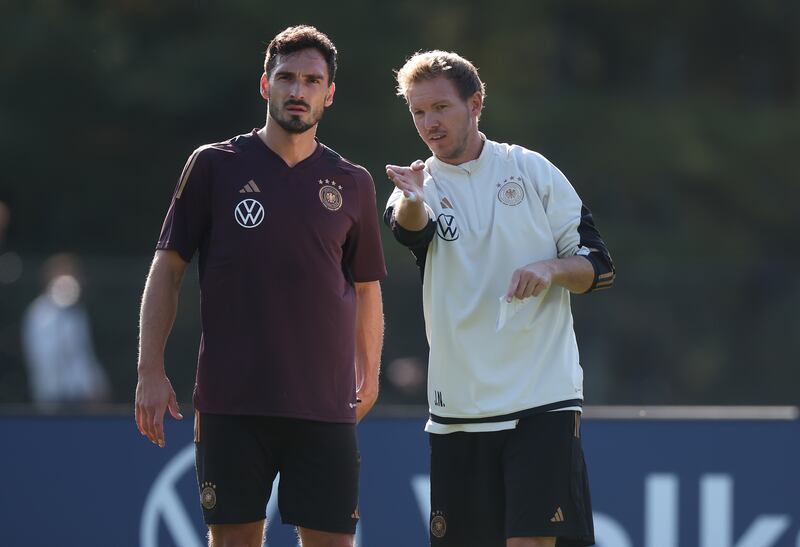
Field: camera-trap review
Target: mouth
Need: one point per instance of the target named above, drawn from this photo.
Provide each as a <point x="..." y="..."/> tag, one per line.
<point x="296" y="109"/>
<point x="437" y="137"/>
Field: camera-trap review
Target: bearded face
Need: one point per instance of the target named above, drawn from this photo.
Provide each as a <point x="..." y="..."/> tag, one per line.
<point x="299" y="91"/>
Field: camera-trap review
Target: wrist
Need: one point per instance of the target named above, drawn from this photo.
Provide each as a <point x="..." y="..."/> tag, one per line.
<point x="150" y="367"/>
<point x="554" y="269"/>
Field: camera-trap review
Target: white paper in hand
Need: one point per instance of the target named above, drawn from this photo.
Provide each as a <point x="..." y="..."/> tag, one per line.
<point x="508" y="310"/>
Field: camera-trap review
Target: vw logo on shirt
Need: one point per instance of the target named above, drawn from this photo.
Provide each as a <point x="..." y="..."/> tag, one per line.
<point x="447" y="227"/>
<point x="249" y="213"/>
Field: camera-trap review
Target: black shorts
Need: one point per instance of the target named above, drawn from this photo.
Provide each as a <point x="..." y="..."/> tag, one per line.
<point x="238" y="458"/>
<point x="525" y="482"/>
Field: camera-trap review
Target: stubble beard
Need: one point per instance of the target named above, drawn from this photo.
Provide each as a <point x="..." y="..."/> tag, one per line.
<point x="292" y="123"/>
<point x="459" y="148"/>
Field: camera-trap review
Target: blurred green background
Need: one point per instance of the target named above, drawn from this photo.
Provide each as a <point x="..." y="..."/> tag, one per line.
<point x="677" y="122"/>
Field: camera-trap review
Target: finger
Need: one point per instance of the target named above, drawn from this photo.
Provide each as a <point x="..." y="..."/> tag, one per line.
<point x="148" y="425"/>
<point x="522" y="287"/>
<point x="136" y="415"/>
<point x="512" y="287"/>
<point x="530" y="287"/>
<point x="418" y="165"/>
<point x="399" y="169"/>
<point x="151" y="417"/>
<point x="394" y="176"/>
<point x="174" y="409"/>
<point x="158" y="428"/>
<point x="140" y="420"/>
<point x="402" y="183"/>
<point x="540" y="288"/>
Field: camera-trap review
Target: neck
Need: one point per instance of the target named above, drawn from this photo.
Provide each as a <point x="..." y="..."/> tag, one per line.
<point x="291" y="147"/>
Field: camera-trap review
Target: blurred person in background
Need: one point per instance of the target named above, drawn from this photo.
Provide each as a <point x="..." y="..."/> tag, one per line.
<point x="10" y="262"/>
<point x="13" y="384"/>
<point x="502" y="239"/>
<point x="63" y="371"/>
<point x="406" y="376"/>
<point x="290" y="260"/>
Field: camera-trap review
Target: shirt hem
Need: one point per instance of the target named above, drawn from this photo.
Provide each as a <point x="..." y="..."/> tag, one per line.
<point x="508" y="417"/>
<point x="279" y="414"/>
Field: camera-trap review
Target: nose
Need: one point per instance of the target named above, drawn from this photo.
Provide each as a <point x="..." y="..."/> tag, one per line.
<point x="431" y="121"/>
<point x="296" y="90"/>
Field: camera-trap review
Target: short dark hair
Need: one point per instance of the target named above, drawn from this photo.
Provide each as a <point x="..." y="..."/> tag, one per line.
<point x="298" y="38"/>
<point x="432" y="64"/>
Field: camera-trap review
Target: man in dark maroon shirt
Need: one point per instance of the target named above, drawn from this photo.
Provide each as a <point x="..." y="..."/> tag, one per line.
<point x="290" y="261"/>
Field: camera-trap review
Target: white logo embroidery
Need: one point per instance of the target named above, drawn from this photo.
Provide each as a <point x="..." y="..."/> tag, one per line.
<point x="249" y="213"/>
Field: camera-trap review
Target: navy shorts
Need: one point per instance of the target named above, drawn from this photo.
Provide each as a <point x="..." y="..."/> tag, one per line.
<point x="238" y="458"/>
<point x="525" y="482"/>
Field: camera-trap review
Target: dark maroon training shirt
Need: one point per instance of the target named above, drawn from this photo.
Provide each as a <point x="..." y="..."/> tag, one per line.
<point x="279" y="251"/>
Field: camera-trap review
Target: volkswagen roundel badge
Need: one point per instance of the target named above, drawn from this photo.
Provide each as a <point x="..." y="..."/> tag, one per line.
<point x="446" y="227"/>
<point x="249" y="213"/>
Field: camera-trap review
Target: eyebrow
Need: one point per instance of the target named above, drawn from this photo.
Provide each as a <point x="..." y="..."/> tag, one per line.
<point x="433" y="104"/>
<point x="318" y="75"/>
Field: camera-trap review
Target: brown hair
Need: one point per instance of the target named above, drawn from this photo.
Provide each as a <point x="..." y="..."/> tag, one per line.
<point x="432" y="64"/>
<point x="298" y="38"/>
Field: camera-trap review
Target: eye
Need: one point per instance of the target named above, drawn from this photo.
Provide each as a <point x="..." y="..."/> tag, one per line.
<point x="417" y="113"/>
<point x="441" y="107"/>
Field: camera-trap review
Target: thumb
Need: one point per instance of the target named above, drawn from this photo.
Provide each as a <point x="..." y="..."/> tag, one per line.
<point x="174" y="409"/>
<point x="418" y="165"/>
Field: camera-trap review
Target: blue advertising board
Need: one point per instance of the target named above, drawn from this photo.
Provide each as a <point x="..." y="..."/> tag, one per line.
<point x="85" y="481"/>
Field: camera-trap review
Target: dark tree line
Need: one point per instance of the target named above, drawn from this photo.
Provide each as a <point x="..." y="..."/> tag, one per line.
<point x="679" y="124"/>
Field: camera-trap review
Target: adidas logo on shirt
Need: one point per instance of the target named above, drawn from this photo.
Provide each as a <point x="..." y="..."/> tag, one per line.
<point x="249" y="187"/>
<point x="445" y="203"/>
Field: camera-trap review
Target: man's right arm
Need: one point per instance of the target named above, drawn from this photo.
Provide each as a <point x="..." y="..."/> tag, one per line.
<point x="411" y="215"/>
<point x="154" y="393"/>
<point x="409" y="209"/>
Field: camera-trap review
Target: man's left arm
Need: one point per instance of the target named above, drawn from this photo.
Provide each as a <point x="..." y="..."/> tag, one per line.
<point x="583" y="263"/>
<point x="369" y="343"/>
<point x="574" y="273"/>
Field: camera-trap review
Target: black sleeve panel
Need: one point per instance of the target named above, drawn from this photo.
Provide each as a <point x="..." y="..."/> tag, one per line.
<point x="594" y="249"/>
<point x="416" y="241"/>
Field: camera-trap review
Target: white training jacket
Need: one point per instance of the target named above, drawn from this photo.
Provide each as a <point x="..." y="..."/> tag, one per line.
<point x="506" y="209"/>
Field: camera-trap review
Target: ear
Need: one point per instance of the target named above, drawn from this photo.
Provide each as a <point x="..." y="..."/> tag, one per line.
<point x="476" y="103"/>
<point x="329" y="96"/>
<point x="264" y="86"/>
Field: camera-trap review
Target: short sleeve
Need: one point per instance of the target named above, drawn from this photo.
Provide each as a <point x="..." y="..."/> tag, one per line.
<point x="189" y="214"/>
<point x="363" y="253"/>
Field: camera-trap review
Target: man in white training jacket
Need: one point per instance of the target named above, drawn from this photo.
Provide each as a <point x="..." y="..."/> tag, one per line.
<point x="501" y="239"/>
